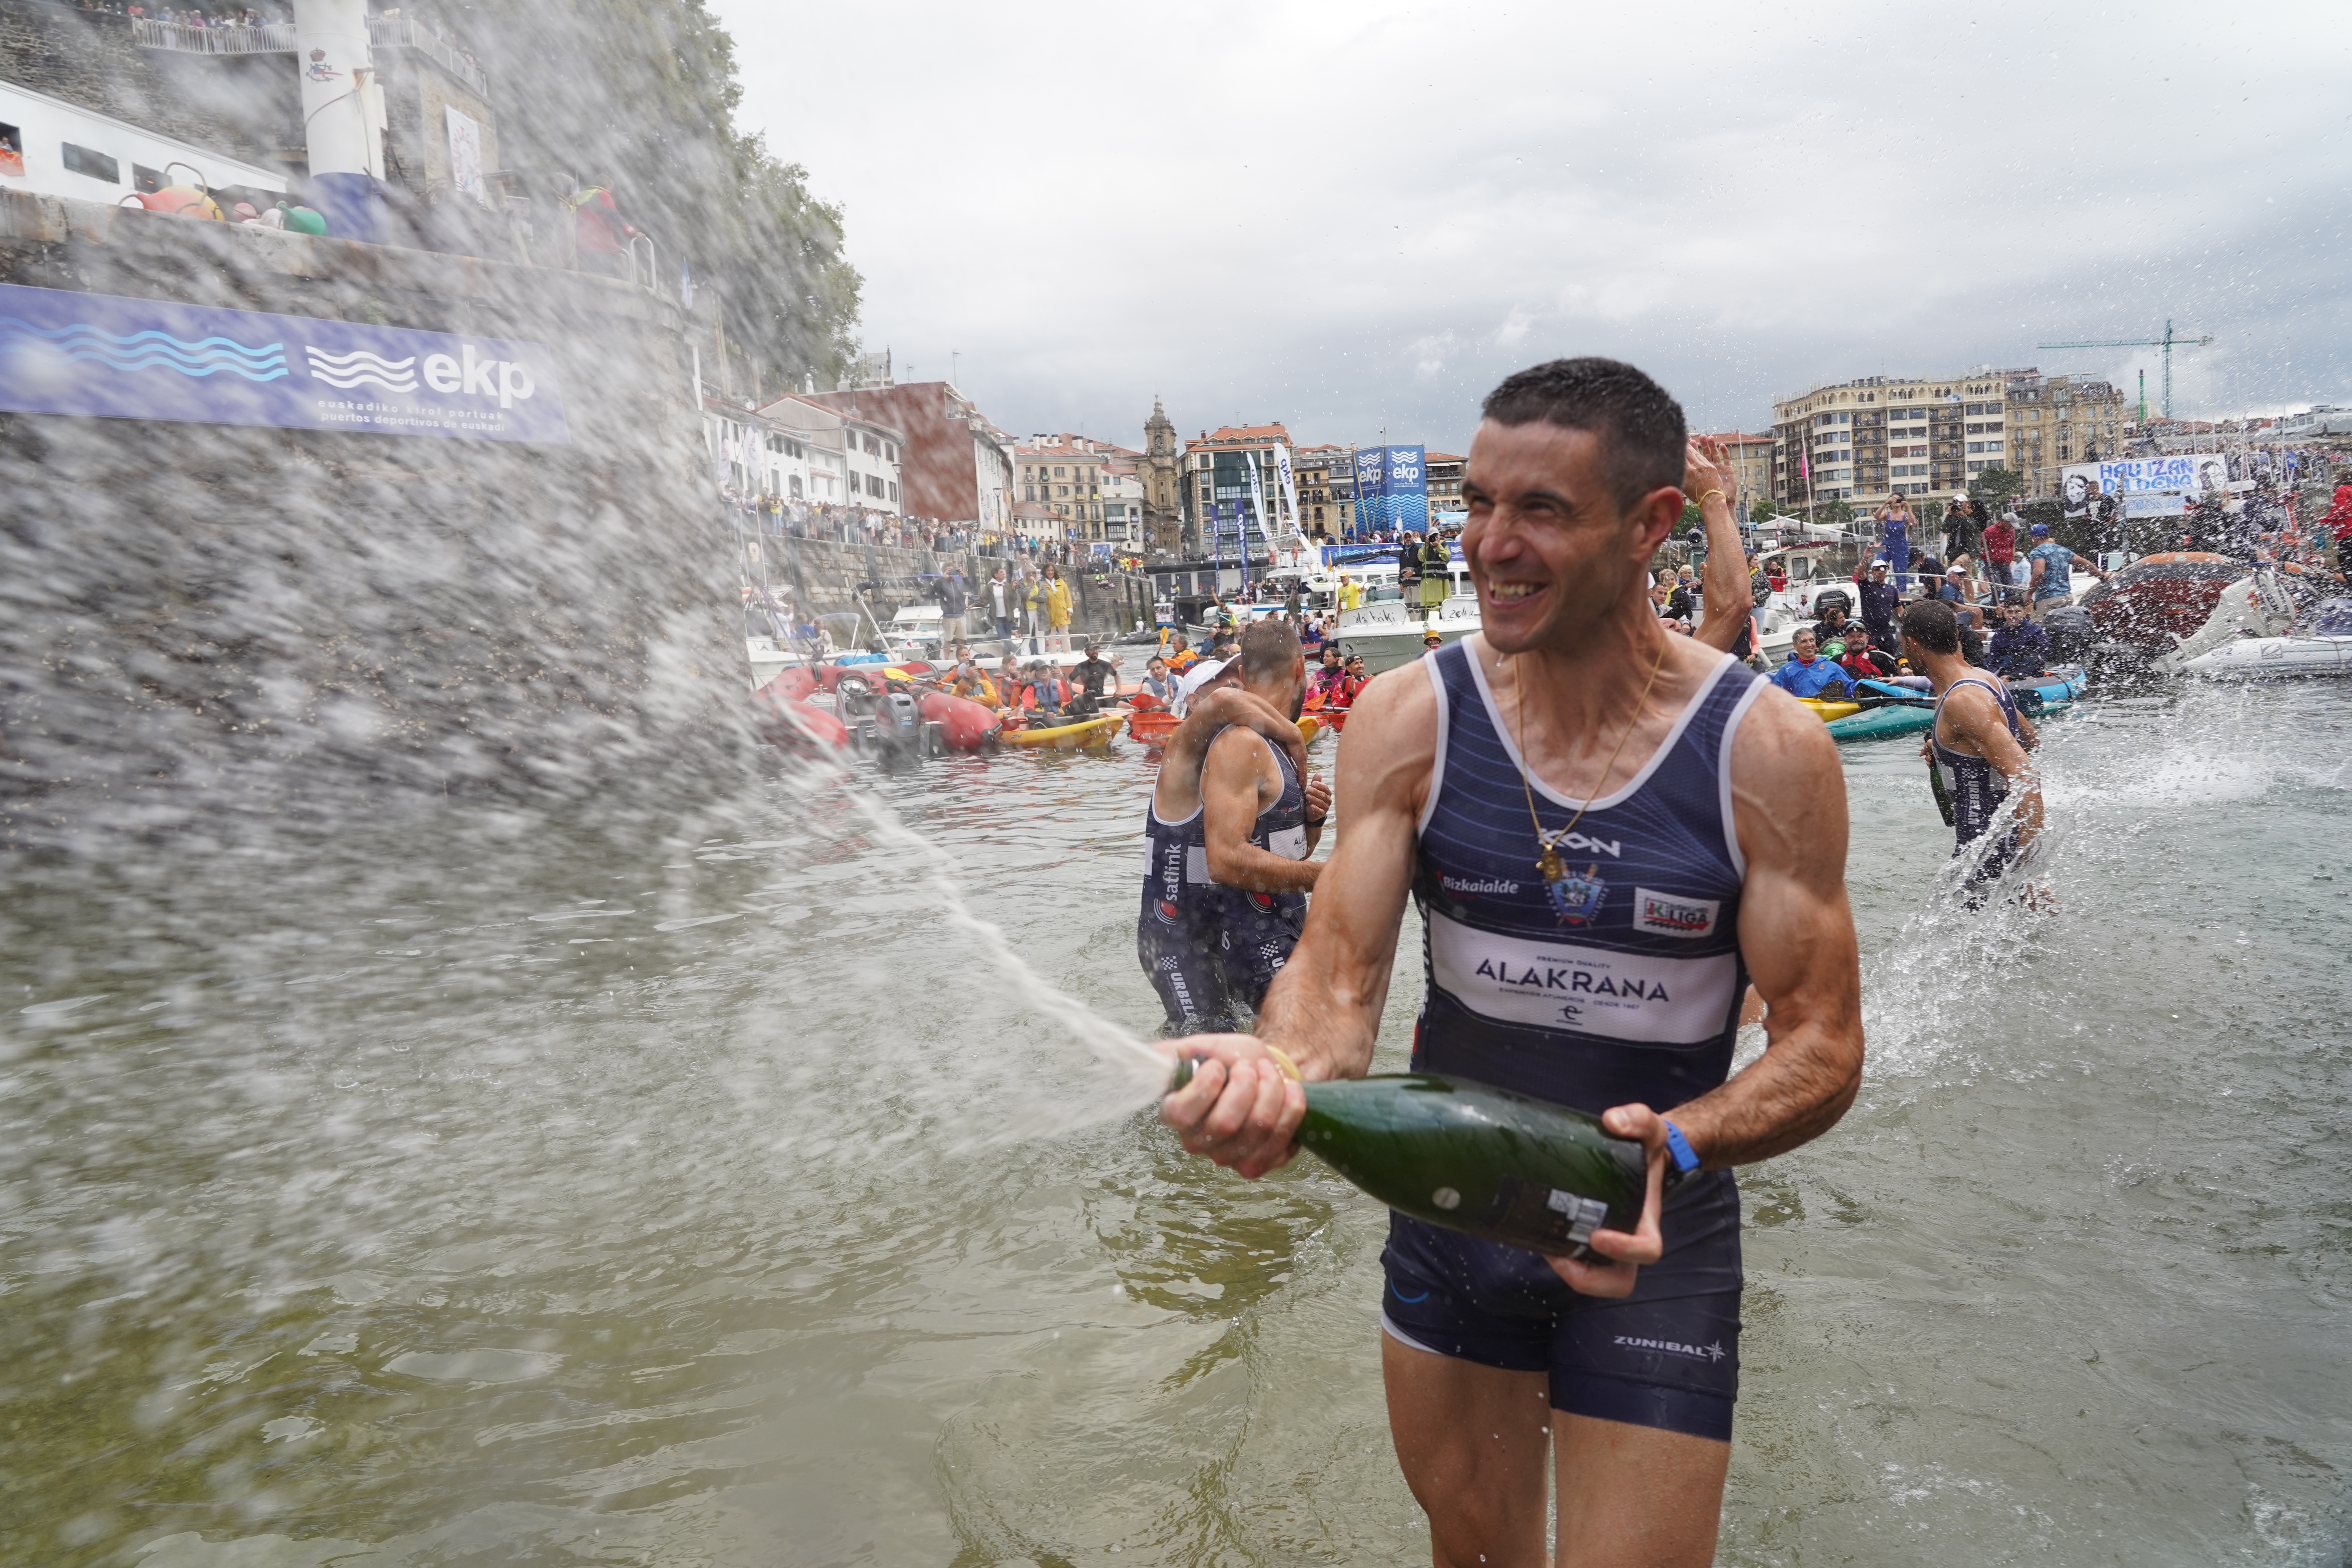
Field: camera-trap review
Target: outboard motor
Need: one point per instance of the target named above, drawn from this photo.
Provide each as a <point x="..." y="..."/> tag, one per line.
<point x="2072" y="634"/>
<point x="888" y="723"/>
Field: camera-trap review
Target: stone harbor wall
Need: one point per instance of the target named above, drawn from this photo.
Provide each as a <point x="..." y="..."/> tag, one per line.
<point x="198" y="619"/>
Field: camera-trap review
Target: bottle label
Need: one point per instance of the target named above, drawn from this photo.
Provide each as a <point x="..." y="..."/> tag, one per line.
<point x="1545" y="1213"/>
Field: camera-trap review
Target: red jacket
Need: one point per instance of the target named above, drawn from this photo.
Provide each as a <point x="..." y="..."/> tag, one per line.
<point x="2338" y="521"/>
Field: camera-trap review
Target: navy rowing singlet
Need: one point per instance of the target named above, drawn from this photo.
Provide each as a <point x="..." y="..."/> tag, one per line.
<point x="1619" y="985"/>
<point x="1975" y="786"/>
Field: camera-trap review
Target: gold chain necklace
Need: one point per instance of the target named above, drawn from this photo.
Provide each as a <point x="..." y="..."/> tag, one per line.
<point x="1548" y="864"/>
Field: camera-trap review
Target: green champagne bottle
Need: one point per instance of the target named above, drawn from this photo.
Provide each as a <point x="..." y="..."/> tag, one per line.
<point x="1943" y="796"/>
<point x="1482" y="1161"/>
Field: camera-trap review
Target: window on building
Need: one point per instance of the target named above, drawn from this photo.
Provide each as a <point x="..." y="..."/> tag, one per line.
<point x="1058" y="474"/>
<point x="890" y="452"/>
<point x="894" y="489"/>
<point x="94" y="164"/>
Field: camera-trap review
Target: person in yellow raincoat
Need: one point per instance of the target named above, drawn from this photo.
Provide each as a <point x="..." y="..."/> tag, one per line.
<point x="1057" y="609"/>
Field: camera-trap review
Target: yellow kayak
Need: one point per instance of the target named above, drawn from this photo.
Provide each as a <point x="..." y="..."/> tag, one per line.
<point x="1308" y="728"/>
<point x="1829" y="710"/>
<point x="1067" y="737"/>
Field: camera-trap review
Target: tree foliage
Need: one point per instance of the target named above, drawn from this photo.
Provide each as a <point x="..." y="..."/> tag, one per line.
<point x="1993" y="489"/>
<point x="640" y="96"/>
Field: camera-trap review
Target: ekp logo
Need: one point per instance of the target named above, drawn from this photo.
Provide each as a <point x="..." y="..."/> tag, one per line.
<point x="505" y="380"/>
<point x="471" y="375"/>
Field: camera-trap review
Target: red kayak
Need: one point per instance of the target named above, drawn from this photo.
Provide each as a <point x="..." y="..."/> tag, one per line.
<point x="964" y="725"/>
<point x="1151" y="725"/>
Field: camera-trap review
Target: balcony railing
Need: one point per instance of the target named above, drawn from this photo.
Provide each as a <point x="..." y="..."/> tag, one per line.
<point x="277" y="38"/>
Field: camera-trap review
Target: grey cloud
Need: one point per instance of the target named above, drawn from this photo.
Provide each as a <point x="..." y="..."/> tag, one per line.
<point x="1349" y="216"/>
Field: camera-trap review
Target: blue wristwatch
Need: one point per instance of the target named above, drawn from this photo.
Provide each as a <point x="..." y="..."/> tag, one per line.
<point x="1685" y="1158"/>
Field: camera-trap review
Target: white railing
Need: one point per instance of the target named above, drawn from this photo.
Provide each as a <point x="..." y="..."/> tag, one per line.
<point x="270" y="39"/>
<point x="408" y="33"/>
<point x="277" y="38"/>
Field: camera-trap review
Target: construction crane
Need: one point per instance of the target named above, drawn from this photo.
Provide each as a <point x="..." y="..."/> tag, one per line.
<point x="2164" y="342"/>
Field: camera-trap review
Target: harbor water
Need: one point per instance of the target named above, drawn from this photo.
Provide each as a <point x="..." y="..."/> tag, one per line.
<point x="773" y="1182"/>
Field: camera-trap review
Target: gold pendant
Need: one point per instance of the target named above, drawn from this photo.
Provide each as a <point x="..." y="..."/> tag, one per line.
<point x="1548" y="867"/>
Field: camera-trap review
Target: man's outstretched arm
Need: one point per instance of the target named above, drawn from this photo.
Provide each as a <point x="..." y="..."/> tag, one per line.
<point x="1323" y="1010"/>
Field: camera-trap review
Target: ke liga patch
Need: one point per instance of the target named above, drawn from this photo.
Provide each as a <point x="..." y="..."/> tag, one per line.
<point x="1668" y="915"/>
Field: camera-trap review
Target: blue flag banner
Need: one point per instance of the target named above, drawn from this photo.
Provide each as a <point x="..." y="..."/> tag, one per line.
<point x="1407" y="488"/>
<point x="106" y="357"/>
<point x="1369" y="504"/>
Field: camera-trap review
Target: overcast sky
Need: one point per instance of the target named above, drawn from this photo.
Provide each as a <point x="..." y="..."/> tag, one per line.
<point x="1351" y="215"/>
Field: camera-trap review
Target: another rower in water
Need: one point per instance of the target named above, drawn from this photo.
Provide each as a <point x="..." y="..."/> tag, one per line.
<point x="1979" y="744"/>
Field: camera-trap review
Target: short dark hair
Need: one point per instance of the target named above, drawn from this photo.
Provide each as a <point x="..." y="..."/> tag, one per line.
<point x="1644" y="438"/>
<point x="1268" y="650"/>
<point x="1931" y="624"/>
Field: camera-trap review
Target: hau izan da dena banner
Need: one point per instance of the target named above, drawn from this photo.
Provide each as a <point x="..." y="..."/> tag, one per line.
<point x="112" y="358"/>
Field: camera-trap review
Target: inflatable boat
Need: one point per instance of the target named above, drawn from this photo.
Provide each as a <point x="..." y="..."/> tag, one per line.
<point x="964" y="725"/>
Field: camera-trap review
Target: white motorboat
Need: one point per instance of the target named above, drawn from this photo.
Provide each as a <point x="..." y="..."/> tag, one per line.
<point x="2322" y="647"/>
<point x="2257" y="659"/>
<point x="1386" y="633"/>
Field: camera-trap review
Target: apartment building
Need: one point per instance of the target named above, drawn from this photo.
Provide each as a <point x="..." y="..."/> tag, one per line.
<point x="1442" y="473"/>
<point x="1216" y="470"/>
<point x="1856" y="441"/>
<point x="2054" y="420"/>
<point x="1326" y="477"/>
<point x="1063" y="474"/>
<point x="1751" y="465"/>
<point x="953" y="462"/>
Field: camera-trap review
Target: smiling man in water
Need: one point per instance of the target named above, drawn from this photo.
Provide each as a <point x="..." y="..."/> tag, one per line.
<point x="1573" y="790"/>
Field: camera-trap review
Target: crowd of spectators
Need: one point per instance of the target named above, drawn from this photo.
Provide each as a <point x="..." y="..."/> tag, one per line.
<point x="863" y="525"/>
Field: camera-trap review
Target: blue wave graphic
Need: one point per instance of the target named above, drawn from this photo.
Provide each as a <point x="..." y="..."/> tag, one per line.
<point x="150" y="350"/>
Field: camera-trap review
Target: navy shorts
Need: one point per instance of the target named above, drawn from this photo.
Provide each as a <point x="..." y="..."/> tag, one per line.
<point x="1212" y="967"/>
<point x="1666" y="1356"/>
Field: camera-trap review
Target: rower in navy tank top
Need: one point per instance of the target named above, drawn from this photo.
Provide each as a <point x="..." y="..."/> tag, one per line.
<point x="1617" y="982"/>
<point x="1594" y="952"/>
<point x="1207" y="946"/>
<point x="1224" y="903"/>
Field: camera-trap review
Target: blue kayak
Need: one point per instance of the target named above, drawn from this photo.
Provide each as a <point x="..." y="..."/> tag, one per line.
<point x="1911" y="709"/>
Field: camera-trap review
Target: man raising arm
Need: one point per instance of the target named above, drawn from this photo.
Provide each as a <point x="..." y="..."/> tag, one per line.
<point x="1577" y="794"/>
<point x="1728" y="621"/>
